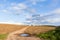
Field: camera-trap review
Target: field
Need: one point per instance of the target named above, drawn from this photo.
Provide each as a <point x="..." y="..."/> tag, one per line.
<point x="5" y="29"/>
<point x="3" y="36"/>
<point x="8" y="28"/>
<point x="39" y="29"/>
<point x="50" y="35"/>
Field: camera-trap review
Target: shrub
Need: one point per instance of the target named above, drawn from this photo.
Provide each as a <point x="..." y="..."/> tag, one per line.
<point x="50" y="35"/>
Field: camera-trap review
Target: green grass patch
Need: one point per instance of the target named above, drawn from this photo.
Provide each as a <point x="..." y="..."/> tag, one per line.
<point x="50" y="35"/>
<point x="3" y="36"/>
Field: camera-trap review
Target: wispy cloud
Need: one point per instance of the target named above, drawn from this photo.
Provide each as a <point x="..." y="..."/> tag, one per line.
<point x="34" y="2"/>
<point x="11" y="23"/>
<point x="15" y="8"/>
<point x="48" y="10"/>
<point x="56" y="11"/>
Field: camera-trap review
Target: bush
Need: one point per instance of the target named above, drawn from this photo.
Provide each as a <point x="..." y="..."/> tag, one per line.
<point x="50" y="35"/>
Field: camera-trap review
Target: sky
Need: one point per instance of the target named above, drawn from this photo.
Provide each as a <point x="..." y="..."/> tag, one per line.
<point x="41" y="12"/>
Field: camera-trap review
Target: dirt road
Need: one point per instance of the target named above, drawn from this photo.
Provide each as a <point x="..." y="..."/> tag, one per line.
<point x="11" y="36"/>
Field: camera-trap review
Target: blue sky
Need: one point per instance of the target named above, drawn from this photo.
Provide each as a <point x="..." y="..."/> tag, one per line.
<point x="45" y="12"/>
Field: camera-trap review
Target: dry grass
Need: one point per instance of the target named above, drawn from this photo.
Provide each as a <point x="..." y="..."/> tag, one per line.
<point x="39" y="29"/>
<point x="8" y="28"/>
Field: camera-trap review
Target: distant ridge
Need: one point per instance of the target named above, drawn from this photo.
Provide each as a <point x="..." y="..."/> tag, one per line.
<point x="8" y="28"/>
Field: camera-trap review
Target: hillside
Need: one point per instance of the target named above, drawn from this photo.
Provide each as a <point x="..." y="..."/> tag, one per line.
<point x="8" y="28"/>
<point x="39" y="29"/>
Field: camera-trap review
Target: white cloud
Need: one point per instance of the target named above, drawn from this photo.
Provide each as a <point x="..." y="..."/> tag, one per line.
<point x="13" y="4"/>
<point x="38" y="0"/>
<point x="11" y="22"/>
<point x="19" y="6"/>
<point x="28" y="21"/>
<point x="4" y="0"/>
<point x="56" y="11"/>
<point x="43" y="0"/>
<point x="28" y="16"/>
<point x="16" y="8"/>
<point x="52" y="16"/>
<point x="34" y="2"/>
<point x="41" y="15"/>
<point x="51" y="20"/>
<point x="32" y="11"/>
<point x="54" y="20"/>
<point x="22" y="6"/>
<point x="5" y="11"/>
<point x="52" y="4"/>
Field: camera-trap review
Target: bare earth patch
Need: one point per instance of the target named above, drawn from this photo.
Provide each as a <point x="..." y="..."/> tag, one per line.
<point x="28" y="38"/>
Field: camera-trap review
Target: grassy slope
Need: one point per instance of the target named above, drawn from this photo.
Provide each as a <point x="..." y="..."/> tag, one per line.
<point x="8" y="28"/>
<point x="39" y="29"/>
<point x="3" y="36"/>
<point x="50" y="35"/>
